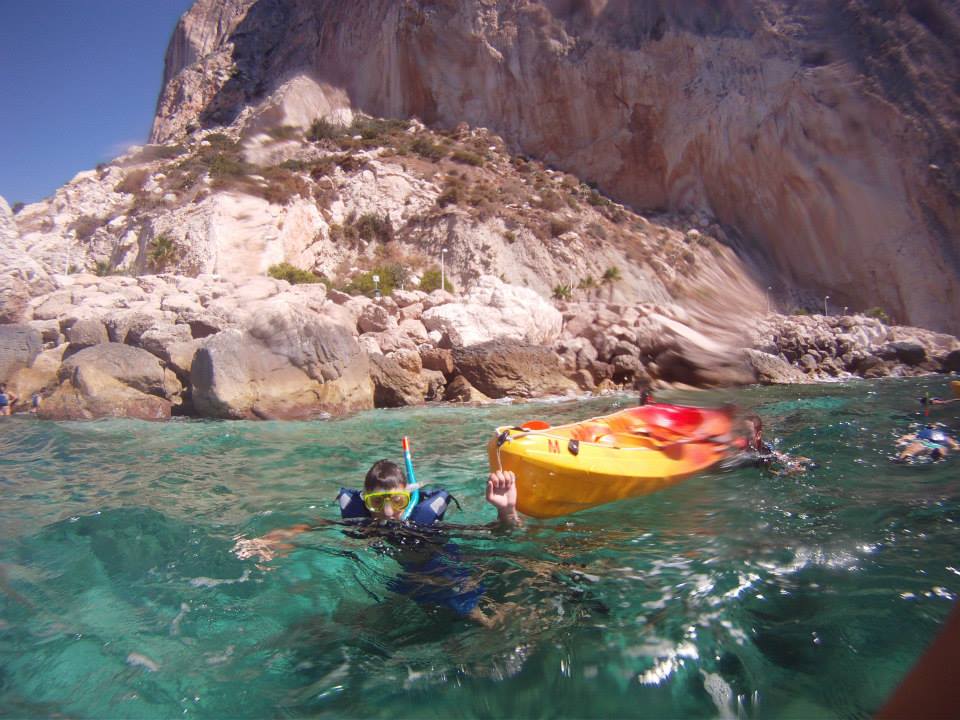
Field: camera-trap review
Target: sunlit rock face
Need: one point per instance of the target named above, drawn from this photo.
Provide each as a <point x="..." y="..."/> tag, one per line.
<point x="824" y="133"/>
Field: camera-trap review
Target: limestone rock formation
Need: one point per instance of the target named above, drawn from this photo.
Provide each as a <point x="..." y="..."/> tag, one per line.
<point x="823" y="134"/>
<point x="112" y="380"/>
<point x="507" y="368"/>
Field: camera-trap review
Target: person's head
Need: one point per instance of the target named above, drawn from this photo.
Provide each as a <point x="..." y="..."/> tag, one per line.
<point x="385" y="490"/>
<point x="755" y="428"/>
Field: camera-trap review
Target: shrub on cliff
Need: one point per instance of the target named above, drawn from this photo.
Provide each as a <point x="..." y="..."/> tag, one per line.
<point x="878" y="313"/>
<point x="161" y="252"/>
<point x="371" y="226"/>
<point x="467" y="158"/>
<point x="429" y="150"/>
<point x="430" y="281"/>
<point x="559" y="226"/>
<point x="292" y="274"/>
<point x="562" y="292"/>
<point x="86" y="225"/>
<point x="323" y="129"/>
<point x="391" y="276"/>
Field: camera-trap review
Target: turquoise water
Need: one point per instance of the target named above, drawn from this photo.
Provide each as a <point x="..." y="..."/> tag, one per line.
<point x="744" y="594"/>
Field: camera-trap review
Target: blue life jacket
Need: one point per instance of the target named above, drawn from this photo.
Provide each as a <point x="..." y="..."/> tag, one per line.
<point x="433" y="504"/>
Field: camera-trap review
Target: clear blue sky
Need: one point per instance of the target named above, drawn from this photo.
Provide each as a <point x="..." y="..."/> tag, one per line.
<point x="79" y="81"/>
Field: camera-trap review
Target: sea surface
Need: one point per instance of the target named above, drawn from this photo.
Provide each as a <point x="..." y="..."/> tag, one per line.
<point x="731" y="595"/>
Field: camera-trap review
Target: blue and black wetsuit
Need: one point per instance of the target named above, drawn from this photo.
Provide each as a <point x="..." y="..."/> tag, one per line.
<point x="437" y="575"/>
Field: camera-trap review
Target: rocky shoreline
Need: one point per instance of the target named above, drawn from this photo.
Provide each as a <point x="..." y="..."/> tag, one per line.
<point x="152" y="347"/>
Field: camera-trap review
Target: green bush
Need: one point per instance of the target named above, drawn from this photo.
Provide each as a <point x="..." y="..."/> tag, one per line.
<point x="559" y="226"/>
<point x="86" y="225"/>
<point x="162" y="251"/>
<point x="597" y="200"/>
<point x="392" y="276"/>
<point x="292" y="274"/>
<point x="226" y="165"/>
<point x="878" y="313"/>
<point x="562" y="292"/>
<point x="323" y="129"/>
<point x="430" y="281"/>
<point x="370" y="128"/>
<point x="371" y="226"/>
<point x="467" y="158"/>
<point x="427" y="149"/>
<point x="221" y="142"/>
<point x="102" y="268"/>
<point x="551" y="200"/>
<point x="283" y="132"/>
<point x="449" y="196"/>
<point x="17" y="207"/>
<point x="611" y="274"/>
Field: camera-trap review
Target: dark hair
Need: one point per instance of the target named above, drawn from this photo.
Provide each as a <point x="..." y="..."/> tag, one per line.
<point x="384" y="475"/>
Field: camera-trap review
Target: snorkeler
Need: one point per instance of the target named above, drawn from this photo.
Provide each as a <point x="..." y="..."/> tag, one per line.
<point x="402" y="514"/>
<point x="760" y="453"/>
<point x="929" y="441"/>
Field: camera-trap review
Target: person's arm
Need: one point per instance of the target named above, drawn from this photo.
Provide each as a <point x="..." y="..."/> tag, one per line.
<point x="274" y="544"/>
<point x="502" y="494"/>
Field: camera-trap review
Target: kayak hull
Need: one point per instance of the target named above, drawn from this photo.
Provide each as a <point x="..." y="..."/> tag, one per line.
<point x="565" y="469"/>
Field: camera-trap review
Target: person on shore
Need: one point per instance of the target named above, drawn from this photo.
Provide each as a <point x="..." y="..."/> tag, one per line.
<point x="404" y="516"/>
<point x="929" y="441"/>
<point x="7" y="400"/>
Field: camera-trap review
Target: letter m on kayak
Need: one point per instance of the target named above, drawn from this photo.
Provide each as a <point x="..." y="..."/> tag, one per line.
<point x="553" y="446"/>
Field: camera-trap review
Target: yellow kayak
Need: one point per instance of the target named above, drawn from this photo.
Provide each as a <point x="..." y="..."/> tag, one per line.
<point x="564" y="469"/>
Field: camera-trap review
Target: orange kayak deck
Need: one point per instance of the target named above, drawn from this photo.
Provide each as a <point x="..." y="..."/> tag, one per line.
<point x="568" y="468"/>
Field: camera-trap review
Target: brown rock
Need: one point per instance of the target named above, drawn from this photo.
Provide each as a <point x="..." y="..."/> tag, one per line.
<point x="235" y="376"/>
<point x="128" y="365"/>
<point x="19" y="345"/>
<point x="395" y="386"/>
<point x="86" y="332"/>
<point x="440" y="359"/>
<point x="460" y="390"/>
<point x="87" y="393"/>
<point x="500" y="369"/>
<point x="771" y="370"/>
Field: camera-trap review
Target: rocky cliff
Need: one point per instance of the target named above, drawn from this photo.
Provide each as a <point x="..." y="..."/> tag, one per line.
<point x="824" y="135"/>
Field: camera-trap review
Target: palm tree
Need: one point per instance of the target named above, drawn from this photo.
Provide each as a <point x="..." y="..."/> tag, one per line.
<point x="588" y="285"/>
<point x="610" y="276"/>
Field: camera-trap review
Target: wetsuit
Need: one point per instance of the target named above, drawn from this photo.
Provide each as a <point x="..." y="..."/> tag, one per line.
<point x="433" y="573"/>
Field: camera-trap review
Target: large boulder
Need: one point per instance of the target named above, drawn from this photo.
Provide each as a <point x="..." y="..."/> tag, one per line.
<point x="494" y="310"/>
<point x="394" y="385"/>
<point x="236" y="375"/>
<point x="87" y="393"/>
<point x="86" y="332"/>
<point x="504" y="368"/>
<point x="772" y="370"/>
<point x="132" y="367"/>
<point x="19" y="345"/>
